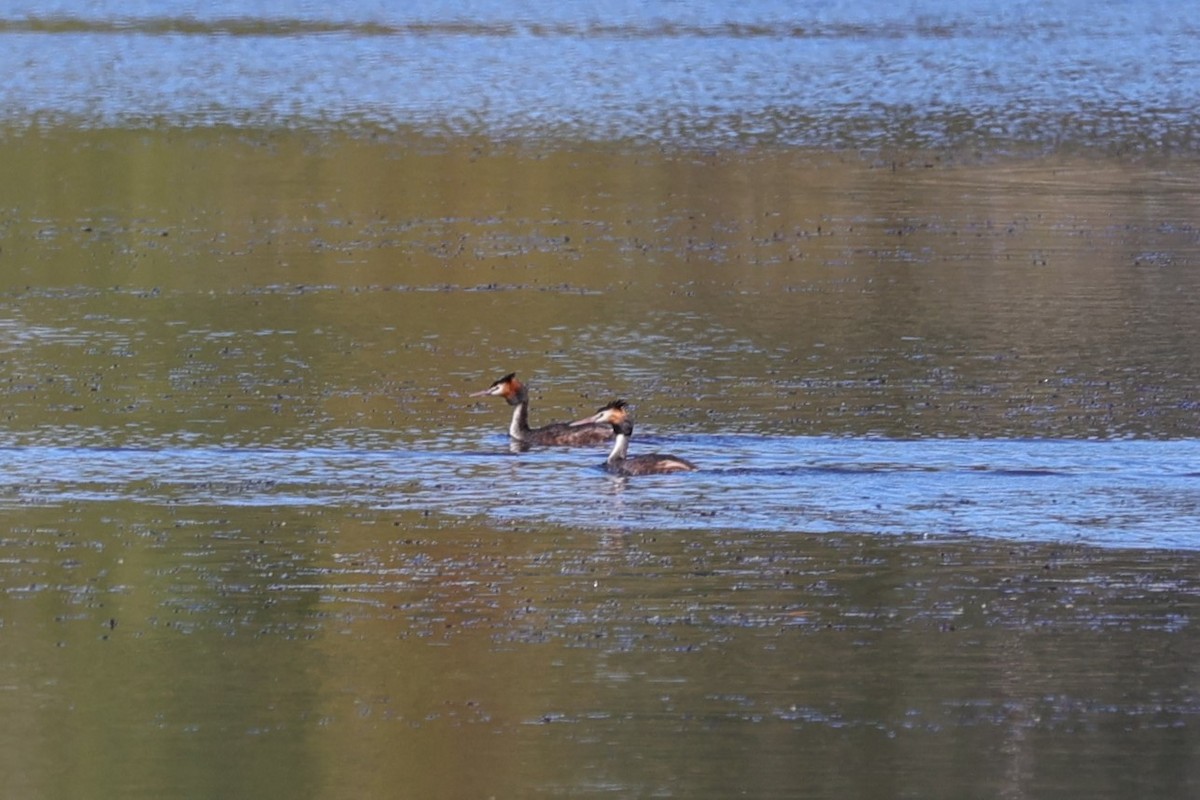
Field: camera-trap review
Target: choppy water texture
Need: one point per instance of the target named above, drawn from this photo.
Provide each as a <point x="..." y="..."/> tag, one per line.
<point x="915" y="285"/>
<point x="1123" y="493"/>
<point x="1114" y="75"/>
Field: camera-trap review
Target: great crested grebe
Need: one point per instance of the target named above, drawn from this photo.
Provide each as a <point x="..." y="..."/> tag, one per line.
<point x="565" y="433"/>
<point x="617" y="415"/>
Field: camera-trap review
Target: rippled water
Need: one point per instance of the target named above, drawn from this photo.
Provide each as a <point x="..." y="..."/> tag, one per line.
<point x="1007" y="356"/>
<point x="1115" y="75"/>
<point x="1104" y="493"/>
<point x="916" y="286"/>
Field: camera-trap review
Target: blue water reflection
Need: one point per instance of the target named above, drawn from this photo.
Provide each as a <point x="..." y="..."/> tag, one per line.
<point x="1141" y="494"/>
<point x="920" y="73"/>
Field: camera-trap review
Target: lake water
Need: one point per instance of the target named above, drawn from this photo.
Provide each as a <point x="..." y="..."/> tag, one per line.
<point x="915" y="285"/>
<point x="923" y="73"/>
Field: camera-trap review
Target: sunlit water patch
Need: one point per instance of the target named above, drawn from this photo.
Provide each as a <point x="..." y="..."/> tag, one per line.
<point x="1113" y="493"/>
<point x="865" y="73"/>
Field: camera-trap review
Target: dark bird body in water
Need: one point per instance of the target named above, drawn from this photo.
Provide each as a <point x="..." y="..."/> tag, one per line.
<point x="617" y="415"/>
<point x="516" y="394"/>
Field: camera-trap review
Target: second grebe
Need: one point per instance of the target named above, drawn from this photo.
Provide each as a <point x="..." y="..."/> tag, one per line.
<point x="564" y="433"/>
<point x="617" y="415"/>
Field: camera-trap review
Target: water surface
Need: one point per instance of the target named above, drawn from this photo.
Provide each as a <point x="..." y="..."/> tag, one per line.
<point x="1115" y="76"/>
<point x="915" y="285"/>
<point x="258" y="535"/>
<point x="1125" y="493"/>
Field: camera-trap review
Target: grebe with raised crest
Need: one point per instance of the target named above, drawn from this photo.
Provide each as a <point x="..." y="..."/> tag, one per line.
<point x="516" y="394"/>
<point x="617" y="415"/>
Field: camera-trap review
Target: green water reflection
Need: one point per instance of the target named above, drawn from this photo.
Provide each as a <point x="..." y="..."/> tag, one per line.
<point x="242" y="287"/>
<point x="345" y="653"/>
<point x="294" y="290"/>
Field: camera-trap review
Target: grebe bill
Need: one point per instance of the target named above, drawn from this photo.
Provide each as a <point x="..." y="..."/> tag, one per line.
<point x="516" y="394"/>
<point x="617" y="415"/>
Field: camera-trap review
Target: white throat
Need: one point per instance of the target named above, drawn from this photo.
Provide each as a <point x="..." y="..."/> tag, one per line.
<point x="620" y="446"/>
<point x="520" y="421"/>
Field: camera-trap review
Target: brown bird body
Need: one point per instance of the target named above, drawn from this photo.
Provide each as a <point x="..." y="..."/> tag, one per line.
<point x="516" y="394"/>
<point x="619" y="462"/>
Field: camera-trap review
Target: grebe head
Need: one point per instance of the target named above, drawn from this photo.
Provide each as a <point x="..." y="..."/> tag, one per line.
<point x="508" y="387"/>
<point x="615" y="413"/>
<point x="619" y="462"/>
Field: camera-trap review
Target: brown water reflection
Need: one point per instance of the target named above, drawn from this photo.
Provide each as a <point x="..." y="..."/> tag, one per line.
<point x="360" y="654"/>
<point x="209" y="291"/>
<point x="325" y="277"/>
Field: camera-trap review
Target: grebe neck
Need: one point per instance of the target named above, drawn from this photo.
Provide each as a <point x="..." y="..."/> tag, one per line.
<point x="624" y="429"/>
<point x="620" y="448"/>
<point x="520" y="420"/>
